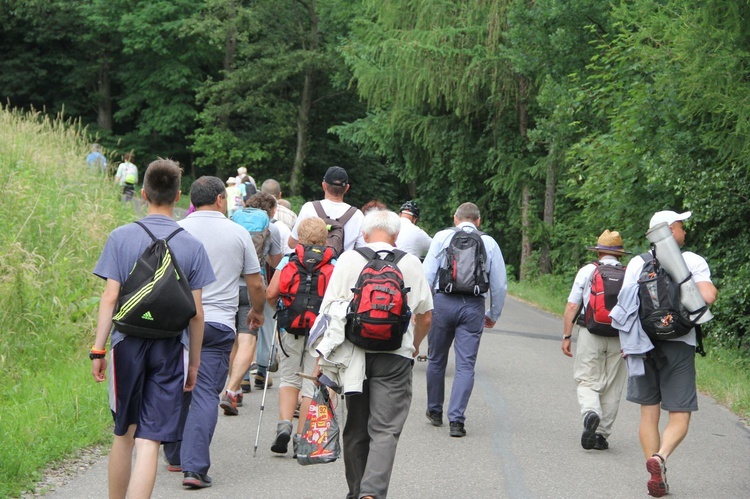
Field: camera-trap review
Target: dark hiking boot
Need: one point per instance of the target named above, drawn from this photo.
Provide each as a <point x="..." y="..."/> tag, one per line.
<point x="196" y="480"/>
<point x="457" y="429"/>
<point x="436" y="418"/>
<point x="601" y="442"/>
<point x="590" y="424"/>
<point x="283" y="435"/>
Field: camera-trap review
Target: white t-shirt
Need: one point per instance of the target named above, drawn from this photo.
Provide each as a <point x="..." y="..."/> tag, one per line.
<point x="284" y="236"/>
<point x="126" y="168"/>
<point x="696" y="264"/>
<point x="581" y="289"/>
<point x="412" y="239"/>
<point x="352" y="229"/>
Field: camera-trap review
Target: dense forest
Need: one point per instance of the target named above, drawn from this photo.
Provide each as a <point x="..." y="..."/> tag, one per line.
<point x="560" y="118"/>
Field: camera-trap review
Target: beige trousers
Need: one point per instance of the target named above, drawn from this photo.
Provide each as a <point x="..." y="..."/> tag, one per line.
<point x="600" y="373"/>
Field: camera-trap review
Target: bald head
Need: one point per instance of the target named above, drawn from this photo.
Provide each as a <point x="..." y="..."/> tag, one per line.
<point x="271" y="187"/>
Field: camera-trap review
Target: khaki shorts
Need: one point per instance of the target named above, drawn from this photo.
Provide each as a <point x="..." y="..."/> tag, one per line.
<point x="290" y="354"/>
<point x="669" y="378"/>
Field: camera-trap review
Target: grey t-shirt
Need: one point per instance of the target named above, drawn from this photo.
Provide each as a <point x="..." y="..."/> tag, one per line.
<point x="231" y="251"/>
<point x="125" y="245"/>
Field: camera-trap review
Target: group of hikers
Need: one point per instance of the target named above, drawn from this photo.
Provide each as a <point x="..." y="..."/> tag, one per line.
<point x="634" y="328"/>
<point x="338" y="300"/>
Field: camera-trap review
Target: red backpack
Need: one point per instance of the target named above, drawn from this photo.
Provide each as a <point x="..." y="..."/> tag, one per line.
<point x="606" y="282"/>
<point x="302" y="284"/>
<point x="379" y="314"/>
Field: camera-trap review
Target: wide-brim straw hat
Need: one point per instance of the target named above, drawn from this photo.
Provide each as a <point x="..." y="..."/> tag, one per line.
<point x="609" y="242"/>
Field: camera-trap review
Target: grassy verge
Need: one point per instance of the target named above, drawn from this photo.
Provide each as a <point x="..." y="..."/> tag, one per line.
<point x="724" y="373"/>
<point x="54" y="219"/>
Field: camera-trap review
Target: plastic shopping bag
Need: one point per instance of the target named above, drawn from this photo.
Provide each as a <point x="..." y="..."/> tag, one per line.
<point x="319" y="442"/>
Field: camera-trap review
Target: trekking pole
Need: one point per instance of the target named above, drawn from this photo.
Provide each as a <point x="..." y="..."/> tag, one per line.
<point x="265" y="389"/>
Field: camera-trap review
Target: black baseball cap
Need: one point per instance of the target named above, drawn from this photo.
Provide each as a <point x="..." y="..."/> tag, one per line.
<point x="336" y="176"/>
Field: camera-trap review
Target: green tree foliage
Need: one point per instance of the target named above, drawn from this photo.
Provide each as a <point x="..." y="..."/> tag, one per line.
<point x="670" y="90"/>
<point x="251" y="111"/>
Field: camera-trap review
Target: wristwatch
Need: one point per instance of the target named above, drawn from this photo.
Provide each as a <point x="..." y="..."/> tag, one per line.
<point x="567" y="337"/>
<point x="97" y="354"/>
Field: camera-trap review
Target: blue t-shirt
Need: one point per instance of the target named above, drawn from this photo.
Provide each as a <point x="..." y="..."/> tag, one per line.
<point x="95" y="159"/>
<point x="126" y="244"/>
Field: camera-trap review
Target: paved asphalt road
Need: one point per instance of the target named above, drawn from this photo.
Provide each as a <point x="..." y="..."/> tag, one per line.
<point x="523" y="440"/>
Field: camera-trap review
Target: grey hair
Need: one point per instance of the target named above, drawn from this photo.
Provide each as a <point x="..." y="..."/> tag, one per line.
<point x="384" y="220"/>
<point x="271" y="187"/>
<point x="467" y="212"/>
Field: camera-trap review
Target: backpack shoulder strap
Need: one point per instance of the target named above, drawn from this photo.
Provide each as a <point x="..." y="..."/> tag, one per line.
<point x="178" y="229"/>
<point x="348" y="214"/>
<point x="319" y="209"/>
<point x="647" y="257"/>
<point x="366" y="252"/>
<point x="143" y="226"/>
<point x="398" y="255"/>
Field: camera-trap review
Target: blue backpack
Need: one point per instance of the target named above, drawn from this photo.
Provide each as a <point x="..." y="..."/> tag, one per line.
<point x="256" y="222"/>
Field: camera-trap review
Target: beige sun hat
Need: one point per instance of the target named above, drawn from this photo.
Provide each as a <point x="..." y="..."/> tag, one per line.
<point x="609" y="242"/>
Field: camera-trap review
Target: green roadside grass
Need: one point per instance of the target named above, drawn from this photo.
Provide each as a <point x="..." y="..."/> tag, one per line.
<point x="54" y="220"/>
<point x="724" y="373"/>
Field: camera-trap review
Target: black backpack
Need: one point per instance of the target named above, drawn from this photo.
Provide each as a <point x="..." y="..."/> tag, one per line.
<point x="606" y="282"/>
<point x="464" y="270"/>
<point x="156" y="300"/>
<point x="335" y="238"/>
<point x="661" y="312"/>
<point x="379" y="315"/>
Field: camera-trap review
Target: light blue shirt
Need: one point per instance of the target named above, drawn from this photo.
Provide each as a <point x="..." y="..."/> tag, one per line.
<point x="495" y="265"/>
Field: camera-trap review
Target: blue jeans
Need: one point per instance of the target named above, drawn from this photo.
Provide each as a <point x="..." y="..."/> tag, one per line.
<point x="199" y="406"/>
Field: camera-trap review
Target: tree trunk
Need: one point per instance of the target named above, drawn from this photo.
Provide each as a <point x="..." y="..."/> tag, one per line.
<point x="526" y="248"/>
<point x="303" y="116"/>
<point x="545" y="261"/>
<point x="104" y="117"/>
<point x="523" y="126"/>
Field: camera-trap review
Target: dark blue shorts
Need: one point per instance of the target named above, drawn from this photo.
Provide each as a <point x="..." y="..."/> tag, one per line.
<point x="148" y="378"/>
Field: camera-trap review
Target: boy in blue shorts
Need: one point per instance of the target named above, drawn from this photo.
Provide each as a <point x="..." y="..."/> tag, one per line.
<point x="147" y="376"/>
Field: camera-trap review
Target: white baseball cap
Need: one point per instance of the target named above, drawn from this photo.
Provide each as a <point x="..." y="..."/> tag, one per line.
<point x="668" y="216"/>
<point x="231" y="180"/>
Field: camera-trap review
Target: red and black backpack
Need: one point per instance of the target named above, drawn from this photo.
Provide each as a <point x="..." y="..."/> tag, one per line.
<point x="302" y="284"/>
<point x="606" y="282"/>
<point x="379" y="314"/>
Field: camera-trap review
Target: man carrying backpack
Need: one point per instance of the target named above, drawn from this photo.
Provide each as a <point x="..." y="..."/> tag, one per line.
<point x="376" y="416"/>
<point x="462" y="264"/>
<point x="599" y="370"/>
<point x="668" y="379"/>
<point x="148" y="374"/>
<point x="344" y="221"/>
